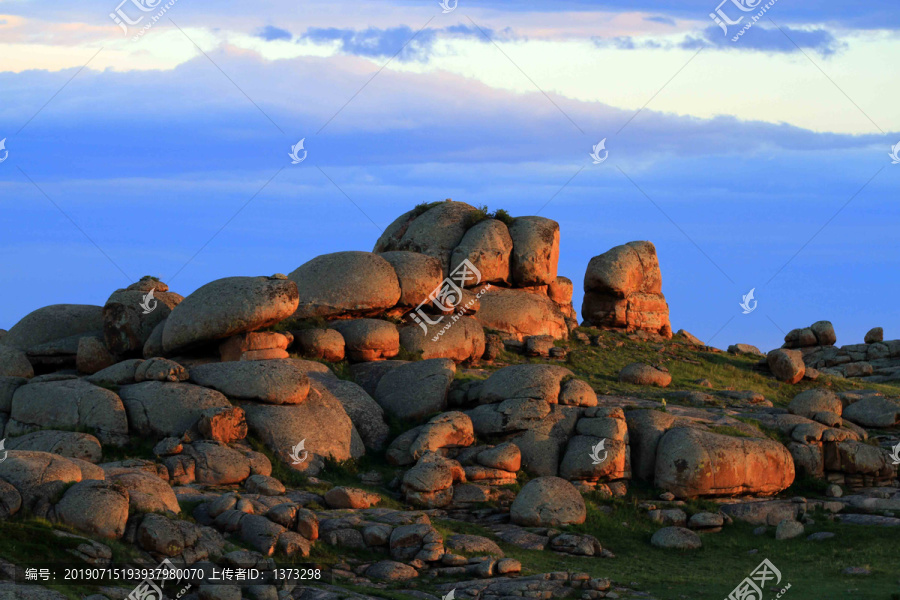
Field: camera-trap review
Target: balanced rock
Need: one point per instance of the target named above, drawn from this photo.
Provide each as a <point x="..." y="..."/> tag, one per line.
<point x="345" y="283"/>
<point x="369" y="339"/>
<point x="874" y="335"/>
<point x="227" y="307"/>
<point x="623" y="291"/>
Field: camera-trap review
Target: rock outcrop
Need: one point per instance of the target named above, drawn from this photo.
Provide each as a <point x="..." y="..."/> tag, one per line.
<point x="623" y="291"/>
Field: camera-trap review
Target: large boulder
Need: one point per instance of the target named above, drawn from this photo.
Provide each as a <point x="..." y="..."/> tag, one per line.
<point x="786" y="365"/>
<point x="623" y="290"/>
<point x="820" y="333"/>
<point x="52" y="323"/>
<point x="68" y="404"/>
<point x="147" y="493"/>
<point x="692" y="462"/>
<point x="488" y="246"/>
<point x="874" y="411"/>
<point x="127" y="324"/>
<point x="548" y="502"/>
<point x="320" y="423"/>
<point x="345" y="283"/>
<point x="14" y="363"/>
<point x="270" y="381"/>
<point x="417" y="389"/>
<point x="535" y="253"/>
<point x="71" y="444"/>
<point x="163" y="409"/>
<point x="542" y="382"/>
<point x="460" y="339"/>
<point x="366" y="414"/>
<point x="40" y="477"/>
<point x="818" y="400"/>
<point x="226" y="307"/>
<point x="369" y="339"/>
<point x="96" y="507"/>
<point x="435" y="230"/>
<point x="419" y="275"/>
<point x="645" y="429"/>
<point x="520" y="313"/>
<point x="644" y="374"/>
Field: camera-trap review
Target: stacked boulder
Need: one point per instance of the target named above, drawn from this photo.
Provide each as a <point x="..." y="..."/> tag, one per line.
<point x="623" y="291"/>
<point x="828" y="439"/>
<point x="877" y="360"/>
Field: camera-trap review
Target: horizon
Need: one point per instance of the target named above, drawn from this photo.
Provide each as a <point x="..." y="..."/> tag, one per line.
<point x="757" y="164"/>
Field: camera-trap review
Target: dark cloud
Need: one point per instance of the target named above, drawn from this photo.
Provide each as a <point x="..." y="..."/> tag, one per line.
<point x="660" y="19"/>
<point x="270" y="33"/>
<point x="766" y="39"/>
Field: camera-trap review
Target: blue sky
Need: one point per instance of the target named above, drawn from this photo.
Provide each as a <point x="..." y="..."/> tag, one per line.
<point x="761" y="163"/>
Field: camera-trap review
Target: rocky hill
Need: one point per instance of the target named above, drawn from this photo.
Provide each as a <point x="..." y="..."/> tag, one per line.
<point x="431" y="420"/>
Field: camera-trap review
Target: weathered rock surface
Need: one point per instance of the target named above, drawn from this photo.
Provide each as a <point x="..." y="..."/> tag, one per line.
<point x="488" y="246"/>
<point x="548" y="502"/>
<point x="68" y="404"/>
<point x="345" y="283"/>
<point x="167" y="409"/>
<point x="271" y="381"/>
<point x="227" y="307"/>
<point x="463" y="341"/>
<point x="417" y="389"/>
<point x="786" y="365"/>
<point x="419" y="275"/>
<point x="535" y="253"/>
<point x="54" y="322"/>
<point x="623" y="290"/>
<point x="691" y="463"/>
<point x="14" y="363"/>
<point x="369" y="339"/>
<point x="519" y="313"/>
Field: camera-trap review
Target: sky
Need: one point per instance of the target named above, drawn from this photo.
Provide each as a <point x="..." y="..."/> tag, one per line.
<point x="154" y="137"/>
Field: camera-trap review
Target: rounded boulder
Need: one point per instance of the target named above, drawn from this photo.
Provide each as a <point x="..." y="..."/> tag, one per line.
<point x="548" y="502"/>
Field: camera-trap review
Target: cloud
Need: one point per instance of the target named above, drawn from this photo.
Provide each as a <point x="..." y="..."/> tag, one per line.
<point x="373" y="41"/>
<point x="767" y="39"/>
<point x="661" y="19"/>
<point x="270" y="33"/>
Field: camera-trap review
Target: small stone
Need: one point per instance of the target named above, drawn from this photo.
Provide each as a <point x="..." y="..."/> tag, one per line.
<point x="819" y="536"/>
<point x="857" y="571"/>
<point x="667" y="496"/>
<point x="788" y="529"/>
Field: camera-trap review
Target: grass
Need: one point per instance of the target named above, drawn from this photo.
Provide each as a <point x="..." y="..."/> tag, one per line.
<point x="814" y="569"/>
<point x="600" y="366"/>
